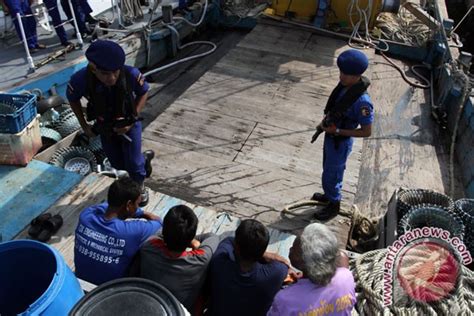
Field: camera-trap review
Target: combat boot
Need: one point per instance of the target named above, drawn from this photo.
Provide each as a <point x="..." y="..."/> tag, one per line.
<point x="328" y="212"/>
<point x="320" y="197"/>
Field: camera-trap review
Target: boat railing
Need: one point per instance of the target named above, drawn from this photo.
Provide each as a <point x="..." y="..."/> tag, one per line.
<point x="20" y="18"/>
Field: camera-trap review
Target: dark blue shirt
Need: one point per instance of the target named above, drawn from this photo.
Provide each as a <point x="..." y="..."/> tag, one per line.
<point x="104" y="248"/>
<point x="77" y="86"/>
<point x="242" y="293"/>
<point x="361" y="112"/>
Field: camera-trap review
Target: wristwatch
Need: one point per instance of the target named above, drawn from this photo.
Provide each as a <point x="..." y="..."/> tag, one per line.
<point x="337" y="131"/>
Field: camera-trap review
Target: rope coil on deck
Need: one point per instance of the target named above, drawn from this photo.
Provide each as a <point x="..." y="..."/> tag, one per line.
<point x="368" y="272"/>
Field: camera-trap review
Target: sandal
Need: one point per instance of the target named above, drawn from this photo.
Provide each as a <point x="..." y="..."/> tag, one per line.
<point x="50" y="227"/>
<point x="36" y="224"/>
<point x="40" y="46"/>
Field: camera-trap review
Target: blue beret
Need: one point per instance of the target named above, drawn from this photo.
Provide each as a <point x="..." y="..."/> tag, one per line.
<point x="106" y="55"/>
<point x="352" y="62"/>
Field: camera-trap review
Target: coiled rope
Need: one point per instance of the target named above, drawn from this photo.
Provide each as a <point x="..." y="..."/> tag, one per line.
<point x="368" y="271"/>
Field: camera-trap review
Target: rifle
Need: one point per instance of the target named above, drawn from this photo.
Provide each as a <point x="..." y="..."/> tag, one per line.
<point x="121" y="122"/>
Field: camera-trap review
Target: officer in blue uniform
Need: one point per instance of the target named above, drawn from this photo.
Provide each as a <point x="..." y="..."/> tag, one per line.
<point x="117" y="93"/>
<point x="53" y="11"/>
<point x="349" y="106"/>
<point x="28" y="20"/>
<point x="82" y="11"/>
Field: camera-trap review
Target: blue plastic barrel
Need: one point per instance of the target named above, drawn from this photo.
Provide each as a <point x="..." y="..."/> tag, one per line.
<point x="35" y="280"/>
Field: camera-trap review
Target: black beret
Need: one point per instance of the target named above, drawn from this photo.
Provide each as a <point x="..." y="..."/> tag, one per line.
<point x="352" y="62"/>
<point x="106" y="55"/>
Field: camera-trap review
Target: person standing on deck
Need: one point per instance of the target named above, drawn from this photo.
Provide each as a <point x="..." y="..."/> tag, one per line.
<point x="117" y="94"/>
<point x="348" y="106"/>
<point x="28" y="21"/>
<point x="80" y="13"/>
<point x="53" y="11"/>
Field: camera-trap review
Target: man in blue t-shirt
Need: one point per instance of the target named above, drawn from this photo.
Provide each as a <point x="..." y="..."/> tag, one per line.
<point x="116" y="95"/>
<point x="348" y="107"/>
<point x="243" y="277"/>
<point x="109" y="235"/>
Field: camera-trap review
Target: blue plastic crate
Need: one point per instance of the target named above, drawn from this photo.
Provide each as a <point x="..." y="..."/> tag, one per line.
<point x="16" y="112"/>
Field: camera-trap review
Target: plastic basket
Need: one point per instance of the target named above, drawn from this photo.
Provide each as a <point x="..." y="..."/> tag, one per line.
<point x="16" y="112"/>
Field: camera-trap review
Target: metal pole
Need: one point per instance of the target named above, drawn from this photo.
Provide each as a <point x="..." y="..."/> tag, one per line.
<point x="25" y="43"/>
<point x="78" y="33"/>
<point x="119" y="13"/>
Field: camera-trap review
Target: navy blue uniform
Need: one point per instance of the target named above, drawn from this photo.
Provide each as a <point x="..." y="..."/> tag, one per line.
<point x="335" y="155"/>
<point x="122" y="154"/>
<point x="81" y="10"/>
<point x="53" y="11"/>
<point x="29" y="23"/>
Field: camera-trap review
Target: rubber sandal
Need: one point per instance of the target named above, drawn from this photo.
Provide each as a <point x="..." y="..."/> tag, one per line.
<point x="50" y="227"/>
<point x="36" y="224"/>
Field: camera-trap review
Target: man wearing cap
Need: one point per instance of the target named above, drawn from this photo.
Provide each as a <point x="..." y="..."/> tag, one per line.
<point x="116" y="94"/>
<point x="348" y="107"/>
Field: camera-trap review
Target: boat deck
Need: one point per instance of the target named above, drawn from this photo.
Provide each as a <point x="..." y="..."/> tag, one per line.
<point x="231" y="132"/>
<point x="13" y="63"/>
<point x="237" y="140"/>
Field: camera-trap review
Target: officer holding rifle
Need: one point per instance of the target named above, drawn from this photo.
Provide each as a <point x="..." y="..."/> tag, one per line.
<point x="116" y="94"/>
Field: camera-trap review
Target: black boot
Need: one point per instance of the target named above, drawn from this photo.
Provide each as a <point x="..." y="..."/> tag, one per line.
<point x="320" y="197"/>
<point x="144" y="196"/>
<point x="328" y="212"/>
<point x="149" y="155"/>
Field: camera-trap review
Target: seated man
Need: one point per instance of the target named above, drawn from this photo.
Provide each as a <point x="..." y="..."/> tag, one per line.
<point x="243" y="277"/>
<point x="105" y="243"/>
<point x="164" y="259"/>
<point x="327" y="286"/>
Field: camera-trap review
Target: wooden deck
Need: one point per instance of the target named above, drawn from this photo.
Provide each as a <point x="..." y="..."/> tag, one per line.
<point x="237" y="140"/>
<point x="232" y="132"/>
<point x="93" y="190"/>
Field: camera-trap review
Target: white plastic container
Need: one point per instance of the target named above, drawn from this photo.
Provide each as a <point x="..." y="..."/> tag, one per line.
<point x="19" y="148"/>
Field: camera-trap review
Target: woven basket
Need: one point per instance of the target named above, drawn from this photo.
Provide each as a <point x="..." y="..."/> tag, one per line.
<point x="414" y="197"/>
<point x="427" y="215"/>
<point x="464" y="208"/>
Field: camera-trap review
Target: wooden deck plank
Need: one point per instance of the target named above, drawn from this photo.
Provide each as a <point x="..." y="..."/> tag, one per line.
<point x="208" y="221"/>
<point x="237" y="140"/>
<point x="26" y="192"/>
<point x="228" y="225"/>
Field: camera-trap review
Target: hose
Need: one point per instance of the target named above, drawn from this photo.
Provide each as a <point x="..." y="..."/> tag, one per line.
<point x="176" y="33"/>
<point x="200" y="20"/>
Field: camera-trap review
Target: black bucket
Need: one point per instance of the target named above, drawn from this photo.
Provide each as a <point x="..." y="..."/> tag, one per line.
<point x="128" y="296"/>
<point x="407" y="199"/>
<point x="426" y="215"/>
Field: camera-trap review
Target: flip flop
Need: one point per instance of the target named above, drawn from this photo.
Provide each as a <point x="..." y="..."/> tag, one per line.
<point x="36" y="224"/>
<point x="50" y="227"/>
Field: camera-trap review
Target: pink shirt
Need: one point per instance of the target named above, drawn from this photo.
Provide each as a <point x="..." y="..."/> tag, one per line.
<point x="308" y="298"/>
